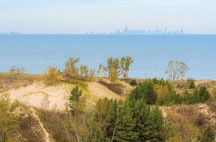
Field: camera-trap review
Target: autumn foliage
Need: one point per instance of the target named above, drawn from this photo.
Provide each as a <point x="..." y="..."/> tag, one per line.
<point x="51" y="76"/>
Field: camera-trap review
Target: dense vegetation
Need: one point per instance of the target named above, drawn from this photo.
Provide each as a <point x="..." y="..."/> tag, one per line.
<point x="161" y="92"/>
<point x="118" y="121"/>
<point x="133" y="119"/>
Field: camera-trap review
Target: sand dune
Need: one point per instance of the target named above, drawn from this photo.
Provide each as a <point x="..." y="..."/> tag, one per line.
<point x="35" y="95"/>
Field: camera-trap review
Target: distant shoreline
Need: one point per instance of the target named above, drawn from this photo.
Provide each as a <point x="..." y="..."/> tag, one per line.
<point x="8" y="34"/>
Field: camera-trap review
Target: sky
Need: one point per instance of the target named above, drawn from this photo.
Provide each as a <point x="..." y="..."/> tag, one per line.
<point x="81" y="16"/>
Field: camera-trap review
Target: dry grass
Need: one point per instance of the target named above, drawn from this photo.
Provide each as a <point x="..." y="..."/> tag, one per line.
<point x="10" y="81"/>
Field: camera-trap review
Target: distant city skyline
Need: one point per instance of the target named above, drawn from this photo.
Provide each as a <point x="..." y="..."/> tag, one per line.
<point x="126" y="30"/>
<point x="129" y="31"/>
<point x="81" y="16"/>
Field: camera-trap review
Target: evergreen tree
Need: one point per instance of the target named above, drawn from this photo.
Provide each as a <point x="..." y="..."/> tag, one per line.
<point x="133" y="82"/>
<point x="146" y="91"/>
<point x="144" y="123"/>
<point x="159" y="124"/>
<point x="126" y="124"/>
<point x="105" y="115"/>
<point x="75" y="94"/>
<point x="203" y="95"/>
<point x="76" y="105"/>
<point x="192" y="85"/>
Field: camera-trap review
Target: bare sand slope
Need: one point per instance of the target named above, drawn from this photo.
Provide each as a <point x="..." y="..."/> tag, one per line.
<point x="37" y="95"/>
<point x="56" y="97"/>
<point x="101" y="91"/>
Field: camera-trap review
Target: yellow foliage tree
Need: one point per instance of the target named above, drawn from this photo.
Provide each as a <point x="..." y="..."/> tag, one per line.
<point x="51" y="76"/>
<point x="163" y="92"/>
<point x="113" y="76"/>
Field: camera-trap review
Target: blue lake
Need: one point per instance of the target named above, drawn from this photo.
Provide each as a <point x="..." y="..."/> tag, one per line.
<point x="151" y="54"/>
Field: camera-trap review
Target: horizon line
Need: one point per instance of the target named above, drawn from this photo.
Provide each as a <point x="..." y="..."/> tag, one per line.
<point x="105" y="34"/>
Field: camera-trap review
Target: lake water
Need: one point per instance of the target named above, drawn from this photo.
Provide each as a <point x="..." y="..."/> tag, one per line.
<point x="150" y="53"/>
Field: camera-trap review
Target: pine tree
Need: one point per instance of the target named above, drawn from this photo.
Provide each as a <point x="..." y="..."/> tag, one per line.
<point x="145" y="124"/>
<point x="146" y="91"/>
<point x="159" y="123"/>
<point x="106" y="112"/>
<point x="126" y="124"/>
<point x="203" y="94"/>
<point x="75" y="94"/>
<point x="76" y="105"/>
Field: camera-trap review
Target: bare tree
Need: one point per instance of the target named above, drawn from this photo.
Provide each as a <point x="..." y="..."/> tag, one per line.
<point x="176" y="70"/>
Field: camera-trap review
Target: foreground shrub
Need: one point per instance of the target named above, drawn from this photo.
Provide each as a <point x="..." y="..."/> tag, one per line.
<point x="51" y="76"/>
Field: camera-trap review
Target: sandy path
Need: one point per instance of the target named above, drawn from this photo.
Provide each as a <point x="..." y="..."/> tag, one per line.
<point x="46" y="134"/>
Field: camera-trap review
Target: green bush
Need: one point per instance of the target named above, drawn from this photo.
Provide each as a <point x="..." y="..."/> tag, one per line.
<point x="192" y="85"/>
<point x="144" y="91"/>
<point x="156" y="91"/>
<point x="161" y="92"/>
<point x="133" y="82"/>
<point x="203" y="95"/>
<point x="198" y="96"/>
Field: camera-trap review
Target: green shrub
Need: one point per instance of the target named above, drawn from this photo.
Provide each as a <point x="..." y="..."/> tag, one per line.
<point x="133" y="82"/>
<point x="192" y="85"/>
<point x="199" y="96"/>
<point x="161" y="92"/>
<point x="156" y="91"/>
<point x="203" y="95"/>
<point x="144" y="91"/>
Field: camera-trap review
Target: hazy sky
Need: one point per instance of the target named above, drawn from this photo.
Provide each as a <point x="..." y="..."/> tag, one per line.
<point x="80" y="16"/>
